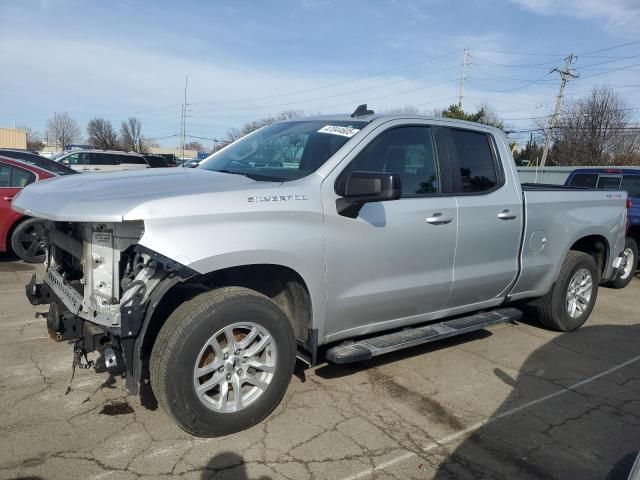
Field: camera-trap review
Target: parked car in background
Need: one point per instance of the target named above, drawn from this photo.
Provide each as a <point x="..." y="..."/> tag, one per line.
<point x="156" y="161"/>
<point x="37" y="160"/>
<point x="20" y="233"/>
<point x="617" y="179"/>
<point x="97" y="161"/>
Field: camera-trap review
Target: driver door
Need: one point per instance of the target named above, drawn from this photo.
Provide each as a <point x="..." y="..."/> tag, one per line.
<point x="392" y="265"/>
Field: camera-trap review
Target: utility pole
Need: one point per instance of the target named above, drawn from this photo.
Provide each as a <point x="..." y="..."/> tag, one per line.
<point x="566" y="74"/>
<point x="462" y="77"/>
<point x="184" y="115"/>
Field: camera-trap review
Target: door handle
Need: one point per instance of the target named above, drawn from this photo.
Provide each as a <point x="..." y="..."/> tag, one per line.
<point x="507" y="215"/>
<point x="439" y="219"/>
<point x="7" y="199"/>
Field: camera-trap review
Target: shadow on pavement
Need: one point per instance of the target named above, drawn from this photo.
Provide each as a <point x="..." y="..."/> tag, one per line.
<point x="582" y="433"/>
<point x="228" y="466"/>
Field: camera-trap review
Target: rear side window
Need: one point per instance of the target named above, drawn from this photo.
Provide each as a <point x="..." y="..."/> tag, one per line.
<point x="474" y="160"/>
<point x="584" y="180"/>
<point x="132" y="160"/>
<point x="608" y="182"/>
<point x="631" y="183"/>
<point x="103" y="159"/>
<point x="14" y="177"/>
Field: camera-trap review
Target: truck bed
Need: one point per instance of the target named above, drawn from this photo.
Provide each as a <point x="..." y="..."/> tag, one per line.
<point x="555" y="218"/>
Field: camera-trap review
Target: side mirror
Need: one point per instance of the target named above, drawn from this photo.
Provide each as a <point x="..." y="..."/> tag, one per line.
<point x="367" y="187"/>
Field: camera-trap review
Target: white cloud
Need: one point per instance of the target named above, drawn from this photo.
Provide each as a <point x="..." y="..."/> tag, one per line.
<point x="616" y="15"/>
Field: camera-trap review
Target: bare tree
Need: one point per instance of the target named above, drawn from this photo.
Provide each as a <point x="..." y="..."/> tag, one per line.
<point x="34" y="143"/>
<point x="235" y="133"/>
<point x="406" y="110"/>
<point x="194" y="146"/>
<point x="63" y="129"/>
<point x="101" y="134"/>
<point x="131" y="138"/>
<point x="596" y="130"/>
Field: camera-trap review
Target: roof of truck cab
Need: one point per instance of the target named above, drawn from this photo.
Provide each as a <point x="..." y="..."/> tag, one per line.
<point x="391" y="116"/>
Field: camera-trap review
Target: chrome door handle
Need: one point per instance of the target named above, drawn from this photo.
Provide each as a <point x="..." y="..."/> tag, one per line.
<point x="507" y="215"/>
<point x="439" y="219"/>
<point x="7" y="199"/>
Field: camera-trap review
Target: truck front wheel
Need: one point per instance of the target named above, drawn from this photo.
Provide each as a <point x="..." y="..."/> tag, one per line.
<point x="571" y="299"/>
<point x="222" y="361"/>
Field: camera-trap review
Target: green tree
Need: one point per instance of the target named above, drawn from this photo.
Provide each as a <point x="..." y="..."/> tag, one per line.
<point x="485" y="115"/>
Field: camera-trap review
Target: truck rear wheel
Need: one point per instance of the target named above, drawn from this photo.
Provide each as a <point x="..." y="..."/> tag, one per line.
<point x="629" y="265"/>
<point x="572" y="298"/>
<point x="222" y="361"/>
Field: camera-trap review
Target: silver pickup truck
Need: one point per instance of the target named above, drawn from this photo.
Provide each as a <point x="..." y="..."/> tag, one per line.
<point x="334" y="238"/>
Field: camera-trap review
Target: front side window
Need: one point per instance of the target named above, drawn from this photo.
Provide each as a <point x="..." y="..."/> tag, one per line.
<point x="609" y="182"/>
<point x="283" y="151"/>
<point x="584" y="180"/>
<point x="407" y="152"/>
<point x="631" y="183"/>
<point x="73" y="159"/>
<point x="475" y="161"/>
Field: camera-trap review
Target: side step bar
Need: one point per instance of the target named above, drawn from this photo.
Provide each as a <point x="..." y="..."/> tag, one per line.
<point x="410" y="337"/>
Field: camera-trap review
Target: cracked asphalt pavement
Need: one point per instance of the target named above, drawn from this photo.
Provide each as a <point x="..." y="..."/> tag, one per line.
<point x="516" y="401"/>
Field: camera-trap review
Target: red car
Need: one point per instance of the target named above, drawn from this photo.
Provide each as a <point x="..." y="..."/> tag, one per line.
<point x="23" y="235"/>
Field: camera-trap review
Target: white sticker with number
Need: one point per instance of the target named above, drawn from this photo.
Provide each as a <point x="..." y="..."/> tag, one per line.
<point x="336" y="130"/>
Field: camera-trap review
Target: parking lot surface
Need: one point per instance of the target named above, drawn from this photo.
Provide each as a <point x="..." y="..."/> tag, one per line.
<point x="517" y="401"/>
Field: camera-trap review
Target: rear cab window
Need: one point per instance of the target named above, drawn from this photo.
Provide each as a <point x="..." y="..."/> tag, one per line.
<point x="584" y="180"/>
<point x="609" y="182"/>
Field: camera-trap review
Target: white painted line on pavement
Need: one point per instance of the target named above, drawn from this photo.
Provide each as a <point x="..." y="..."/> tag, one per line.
<point x="476" y="426"/>
<point x="12" y="291"/>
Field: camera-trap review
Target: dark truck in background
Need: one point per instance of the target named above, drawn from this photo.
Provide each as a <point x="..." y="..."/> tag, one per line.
<point x="617" y="179"/>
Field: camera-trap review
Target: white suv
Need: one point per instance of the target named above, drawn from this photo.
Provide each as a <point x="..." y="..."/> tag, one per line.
<point x="102" y="161"/>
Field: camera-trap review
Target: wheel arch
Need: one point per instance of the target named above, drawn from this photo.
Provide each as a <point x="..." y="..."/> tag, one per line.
<point x="282" y="284"/>
<point x="597" y="246"/>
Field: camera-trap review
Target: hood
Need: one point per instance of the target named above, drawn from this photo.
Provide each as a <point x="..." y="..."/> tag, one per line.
<point x="107" y="197"/>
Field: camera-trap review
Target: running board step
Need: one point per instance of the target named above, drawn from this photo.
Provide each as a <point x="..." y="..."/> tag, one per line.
<point x="410" y="337"/>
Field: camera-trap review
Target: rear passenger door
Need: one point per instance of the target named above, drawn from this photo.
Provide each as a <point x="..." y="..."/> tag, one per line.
<point x="489" y="219"/>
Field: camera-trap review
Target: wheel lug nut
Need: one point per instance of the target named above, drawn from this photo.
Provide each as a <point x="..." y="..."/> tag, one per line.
<point x="239" y="372"/>
<point x="228" y="376"/>
<point x="221" y="369"/>
<point x="237" y="352"/>
<point x="244" y="359"/>
<point x="226" y="356"/>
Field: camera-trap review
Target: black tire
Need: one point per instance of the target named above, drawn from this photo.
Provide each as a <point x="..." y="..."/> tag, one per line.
<point x="622" y="281"/>
<point x="179" y="345"/>
<point x="552" y="308"/>
<point x="28" y="241"/>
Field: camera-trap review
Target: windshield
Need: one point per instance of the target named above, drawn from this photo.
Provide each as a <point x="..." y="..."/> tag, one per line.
<point x="284" y="151"/>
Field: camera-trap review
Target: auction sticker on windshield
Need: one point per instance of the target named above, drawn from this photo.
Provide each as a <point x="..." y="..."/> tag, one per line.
<point x="336" y="130"/>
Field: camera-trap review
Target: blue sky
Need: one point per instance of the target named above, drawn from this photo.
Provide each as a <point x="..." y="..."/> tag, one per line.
<point x="244" y="59"/>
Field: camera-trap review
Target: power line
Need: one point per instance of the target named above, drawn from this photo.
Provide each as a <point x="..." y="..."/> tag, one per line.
<point x="635" y="42"/>
<point x="343" y="82"/>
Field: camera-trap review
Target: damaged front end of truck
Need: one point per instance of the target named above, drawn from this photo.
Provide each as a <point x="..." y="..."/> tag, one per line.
<point x="102" y="288"/>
